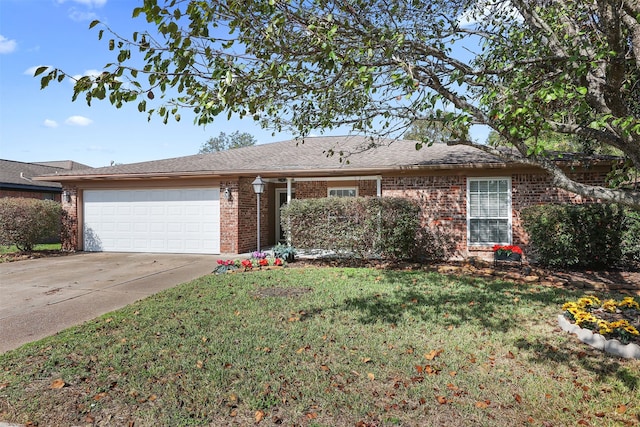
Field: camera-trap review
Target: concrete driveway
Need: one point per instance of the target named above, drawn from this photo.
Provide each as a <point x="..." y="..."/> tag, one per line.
<point x="43" y="296"/>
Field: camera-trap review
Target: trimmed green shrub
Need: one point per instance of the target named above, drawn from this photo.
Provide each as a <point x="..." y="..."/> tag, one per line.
<point x="364" y="226"/>
<point x="630" y="245"/>
<point x="25" y="222"/>
<point x="575" y="236"/>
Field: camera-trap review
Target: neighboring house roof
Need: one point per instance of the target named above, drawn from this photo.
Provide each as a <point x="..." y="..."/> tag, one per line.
<point x="297" y="158"/>
<point x="18" y="175"/>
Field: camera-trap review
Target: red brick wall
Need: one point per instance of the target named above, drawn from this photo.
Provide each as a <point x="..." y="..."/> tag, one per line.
<point x="229" y="218"/>
<point x="69" y="232"/>
<point x="534" y="189"/>
<point x="247" y="218"/>
<point x="443" y="200"/>
<point x="311" y="190"/>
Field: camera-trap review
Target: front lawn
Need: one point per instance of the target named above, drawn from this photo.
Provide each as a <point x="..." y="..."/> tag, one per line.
<point x="324" y="347"/>
<point x="40" y="247"/>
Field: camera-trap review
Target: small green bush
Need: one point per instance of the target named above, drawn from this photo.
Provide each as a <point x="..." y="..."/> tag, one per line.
<point x="363" y="226"/>
<point x="25" y="222"/>
<point x="575" y="236"/>
<point x="630" y="245"/>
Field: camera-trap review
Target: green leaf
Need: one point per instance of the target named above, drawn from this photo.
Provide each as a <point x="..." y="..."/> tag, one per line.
<point x="40" y="70"/>
<point x="93" y="23"/>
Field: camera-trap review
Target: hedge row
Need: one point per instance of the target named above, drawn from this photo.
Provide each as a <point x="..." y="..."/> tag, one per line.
<point x="583" y="236"/>
<point x="365" y="226"/>
<point x="26" y="222"/>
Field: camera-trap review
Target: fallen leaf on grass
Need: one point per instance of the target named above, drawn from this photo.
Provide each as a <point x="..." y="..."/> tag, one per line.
<point x="441" y="400"/>
<point x="431" y="370"/>
<point x="483" y="404"/>
<point x="58" y="384"/>
<point x="312" y="415"/>
<point x="301" y="349"/>
<point x="371" y="376"/>
<point x="621" y="409"/>
<point x="510" y="355"/>
<point x="518" y="398"/>
<point x="259" y="416"/>
<point x="99" y="396"/>
<point x="433" y="354"/>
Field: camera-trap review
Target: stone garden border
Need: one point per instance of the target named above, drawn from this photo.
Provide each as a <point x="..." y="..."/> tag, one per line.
<point x="613" y="346"/>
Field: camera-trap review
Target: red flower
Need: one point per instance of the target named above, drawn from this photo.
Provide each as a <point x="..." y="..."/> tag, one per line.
<point x="278" y="261"/>
<point x="264" y="262"/>
<point x="508" y="249"/>
<point x="247" y="264"/>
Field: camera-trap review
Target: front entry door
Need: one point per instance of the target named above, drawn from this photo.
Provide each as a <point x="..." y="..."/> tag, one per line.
<point x="281" y="200"/>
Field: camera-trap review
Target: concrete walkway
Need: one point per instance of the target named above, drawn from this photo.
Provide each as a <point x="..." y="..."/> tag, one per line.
<point x="43" y="296"/>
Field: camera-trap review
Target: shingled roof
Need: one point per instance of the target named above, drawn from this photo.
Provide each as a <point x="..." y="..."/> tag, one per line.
<point x="17" y="175"/>
<point x="351" y="154"/>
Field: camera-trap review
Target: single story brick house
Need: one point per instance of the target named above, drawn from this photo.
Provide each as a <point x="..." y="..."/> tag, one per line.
<point x="205" y="203"/>
<point x="16" y="178"/>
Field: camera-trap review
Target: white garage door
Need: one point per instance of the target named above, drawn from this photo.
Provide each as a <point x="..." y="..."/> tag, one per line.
<point x="162" y="220"/>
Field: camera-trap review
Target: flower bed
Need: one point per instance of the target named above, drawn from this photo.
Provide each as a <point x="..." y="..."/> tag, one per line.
<point x="608" y="325"/>
<point x="258" y="260"/>
<point x="510" y="253"/>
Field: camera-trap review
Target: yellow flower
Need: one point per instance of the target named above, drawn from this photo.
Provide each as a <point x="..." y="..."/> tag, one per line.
<point x="609" y="305"/>
<point x="629" y="302"/>
<point x="631" y="330"/>
<point x="588" y="301"/>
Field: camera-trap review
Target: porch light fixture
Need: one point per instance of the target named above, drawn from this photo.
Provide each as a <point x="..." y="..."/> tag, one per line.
<point x="227" y="194"/>
<point x="258" y="188"/>
<point x="66" y="196"/>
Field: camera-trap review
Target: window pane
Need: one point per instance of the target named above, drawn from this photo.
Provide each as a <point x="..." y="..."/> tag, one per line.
<point x="489" y="211"/>
<point x="342" y="192"/>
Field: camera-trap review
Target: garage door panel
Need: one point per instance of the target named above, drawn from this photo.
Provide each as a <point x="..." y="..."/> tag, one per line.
<point x="161" y="220"/>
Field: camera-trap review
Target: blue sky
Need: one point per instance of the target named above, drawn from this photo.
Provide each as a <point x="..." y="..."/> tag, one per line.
<point x="42" y="125"/>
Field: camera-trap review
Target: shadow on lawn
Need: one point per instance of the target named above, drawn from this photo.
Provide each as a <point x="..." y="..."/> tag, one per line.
<point x="604" y="366"/>
<point x="445" y="301"/>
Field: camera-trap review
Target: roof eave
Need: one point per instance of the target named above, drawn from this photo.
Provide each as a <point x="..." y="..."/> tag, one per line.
<point x="270" y="173"/>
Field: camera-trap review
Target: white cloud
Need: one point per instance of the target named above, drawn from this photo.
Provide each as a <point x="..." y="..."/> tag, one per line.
<point x="6" y="45"/>
<point x="90" y="3"/>
<point x="32" y="70"/>
<point x="78" y="121"/>
<point x="81" y="16"/>
<point x="90" y="73"/>
<point x="484" y="10"/>
<point x="48" y="123"/>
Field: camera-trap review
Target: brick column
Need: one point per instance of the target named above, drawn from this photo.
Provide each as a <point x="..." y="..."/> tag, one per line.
<point x="69" y="229"/>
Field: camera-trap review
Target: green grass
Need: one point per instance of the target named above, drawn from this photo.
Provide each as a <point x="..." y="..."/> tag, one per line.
<point x="364" y="346"/>
<point x="39" y="247"/>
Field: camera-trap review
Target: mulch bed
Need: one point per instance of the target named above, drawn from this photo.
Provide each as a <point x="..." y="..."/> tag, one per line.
<point x="627" y="282"/>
